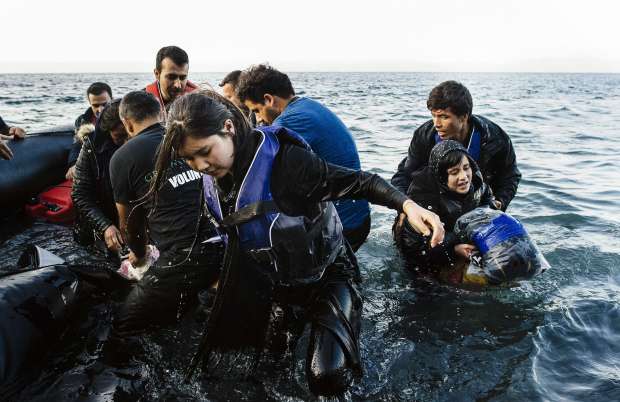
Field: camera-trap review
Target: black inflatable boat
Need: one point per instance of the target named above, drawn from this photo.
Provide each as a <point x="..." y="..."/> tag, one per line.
<point x="39" y="161"/>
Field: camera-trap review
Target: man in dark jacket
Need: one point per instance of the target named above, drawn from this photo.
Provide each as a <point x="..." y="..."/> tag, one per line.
<point x="451" y="105"/>
<point x="98" y="94"/>
<point x="92" y="192"/>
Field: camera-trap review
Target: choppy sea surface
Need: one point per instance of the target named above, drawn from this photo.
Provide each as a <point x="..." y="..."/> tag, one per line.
<point x="556" y="338"/>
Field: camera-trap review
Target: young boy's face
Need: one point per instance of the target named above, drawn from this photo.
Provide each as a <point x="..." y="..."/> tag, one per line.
<point x="459" y="176"/>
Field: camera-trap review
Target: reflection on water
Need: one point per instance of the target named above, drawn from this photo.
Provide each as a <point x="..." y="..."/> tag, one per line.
<point x="555" y="338"/>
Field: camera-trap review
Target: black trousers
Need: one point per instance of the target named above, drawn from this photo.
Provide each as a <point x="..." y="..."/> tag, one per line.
<point x="165" y="293"/>
<point x="333" y="308"/>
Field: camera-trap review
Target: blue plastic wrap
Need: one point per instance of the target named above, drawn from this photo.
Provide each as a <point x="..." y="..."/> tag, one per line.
<point x="506" y="253"/>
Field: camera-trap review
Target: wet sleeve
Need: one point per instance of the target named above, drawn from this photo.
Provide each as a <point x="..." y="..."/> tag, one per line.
<point x="307" y="176"/>
<point x="508" y="176"/>
<point x="412" y="162"/>
<point x="84" y="193"/>
<point x="4" y="128"/>
<point x="74" y="153"/>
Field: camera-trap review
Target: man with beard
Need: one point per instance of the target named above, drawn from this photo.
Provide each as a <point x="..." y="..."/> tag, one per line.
<point x="98" y="94"/>
<point x="171" y="69"/>
<point x="269" y="94"/>
<point x="229" y="90"/>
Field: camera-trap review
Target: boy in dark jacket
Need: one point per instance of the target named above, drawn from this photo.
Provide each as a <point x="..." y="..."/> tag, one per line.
<point x="451" y="185"/>
<point x="451" y="105"/>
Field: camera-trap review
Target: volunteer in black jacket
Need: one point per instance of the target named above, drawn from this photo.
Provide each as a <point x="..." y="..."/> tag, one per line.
<point x="451" y="105"/>
<point x="92" y="192"/>
<point x="451" y="185"/>
<point x="269" y="193"/>
<point x="188" y="261"/>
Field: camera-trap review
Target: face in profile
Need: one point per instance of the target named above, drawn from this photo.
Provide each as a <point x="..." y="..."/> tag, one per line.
<point x="265" y="112"/>
<point x="119" y="135"/>
<point x="98" y="102"/>
<point x="459" y="176"/>
<point x="448" y="124"/>
<point x="212" y="155"/>
<point x="172" y="79"/>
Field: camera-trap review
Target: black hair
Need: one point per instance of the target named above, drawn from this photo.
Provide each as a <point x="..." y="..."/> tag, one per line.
<point x="139" y="106"/>
<point x="174" y="53"/>
<point x="451" y="95"/>
<point x="450" y="160"/>
<point x="263" y="79"/>
<point x="199" y="114"/>
<point x="231" y="78"/>
<point x="110" y="119"/>
<point x="97" y="88"/>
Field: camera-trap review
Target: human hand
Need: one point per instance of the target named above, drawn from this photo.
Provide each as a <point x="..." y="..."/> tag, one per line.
<point x="135" y="260"/>
<point x="113" y="239"/>
<point x="424" y="221"/>
<point x="497" y="204"/>
<point x="5" y="151"/>
<point x="464" y="250"/>
<point x="17" y="132"/>
<point x="70" y="173"/>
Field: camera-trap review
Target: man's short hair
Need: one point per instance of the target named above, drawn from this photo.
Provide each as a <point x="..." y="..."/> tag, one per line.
<point x="263" y="79"/>
<point x="174" y="53"/>
<point x="139" y="106"/>
<point x="97" y="88"/>
<point x="231" y="78"/>
<point x="451" y="95"/>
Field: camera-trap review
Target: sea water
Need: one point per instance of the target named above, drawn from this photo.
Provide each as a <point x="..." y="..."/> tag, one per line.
<point x="556" y="338"/>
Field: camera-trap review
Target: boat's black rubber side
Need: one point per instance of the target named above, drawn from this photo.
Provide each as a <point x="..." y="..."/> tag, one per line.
<point x="39" y="161"/>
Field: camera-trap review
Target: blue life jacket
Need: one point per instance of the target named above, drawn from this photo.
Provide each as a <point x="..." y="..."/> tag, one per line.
<point x="473" y="148"/>
<point x="296" y="248"/>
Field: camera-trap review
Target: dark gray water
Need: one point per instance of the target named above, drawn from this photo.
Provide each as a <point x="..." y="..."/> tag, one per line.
<point x="556" y="338"/>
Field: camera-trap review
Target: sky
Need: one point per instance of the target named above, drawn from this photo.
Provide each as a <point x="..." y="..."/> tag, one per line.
<point x="320" y="35"/>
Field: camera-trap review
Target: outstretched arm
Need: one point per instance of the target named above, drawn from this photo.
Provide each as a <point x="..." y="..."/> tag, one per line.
<point x="306" y="176"/>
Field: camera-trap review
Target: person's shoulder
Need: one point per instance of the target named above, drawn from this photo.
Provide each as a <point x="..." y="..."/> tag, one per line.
<point x="425" y="128"/>
<point x="425" y="132"/>
<point x="488" y="125"/>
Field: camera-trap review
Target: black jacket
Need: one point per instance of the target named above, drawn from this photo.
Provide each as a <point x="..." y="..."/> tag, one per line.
<point x="498" y="162"/>
<point x="4" y="128"/>
<point x="92" y="191"/>
<point x="87" y="118"/>
<point x="428" y="191"/>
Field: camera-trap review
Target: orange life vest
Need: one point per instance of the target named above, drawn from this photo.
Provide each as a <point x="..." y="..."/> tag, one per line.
<point x="153" y="88"/>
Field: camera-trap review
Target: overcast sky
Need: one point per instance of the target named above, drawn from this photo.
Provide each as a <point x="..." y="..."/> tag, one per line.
<point x="317" y="35"/>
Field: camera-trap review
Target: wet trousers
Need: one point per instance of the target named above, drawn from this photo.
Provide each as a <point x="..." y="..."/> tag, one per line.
<point x="333" y="308"/>
<point x="166" y="292"/>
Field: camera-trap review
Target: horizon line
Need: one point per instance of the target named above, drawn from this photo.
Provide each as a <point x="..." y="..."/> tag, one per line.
<point x="332" y="71"/>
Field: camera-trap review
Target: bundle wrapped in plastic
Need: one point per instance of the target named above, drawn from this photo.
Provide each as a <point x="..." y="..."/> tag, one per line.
<point x="136" y="273"/>
<point x="505" y="251"/>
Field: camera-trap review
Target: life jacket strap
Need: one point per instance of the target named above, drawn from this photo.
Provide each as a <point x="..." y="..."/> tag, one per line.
<point x="250" y="212"/>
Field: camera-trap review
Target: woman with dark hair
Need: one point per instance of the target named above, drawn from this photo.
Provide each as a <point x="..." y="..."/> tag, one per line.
<point x="92" y="191"/>
<point x="451" y="185"/>
<point x="269" y="196"/>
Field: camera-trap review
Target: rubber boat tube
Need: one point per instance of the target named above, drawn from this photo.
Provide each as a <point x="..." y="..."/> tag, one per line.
<point x="35" y="301"/>
<point x="39" y="161"/>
